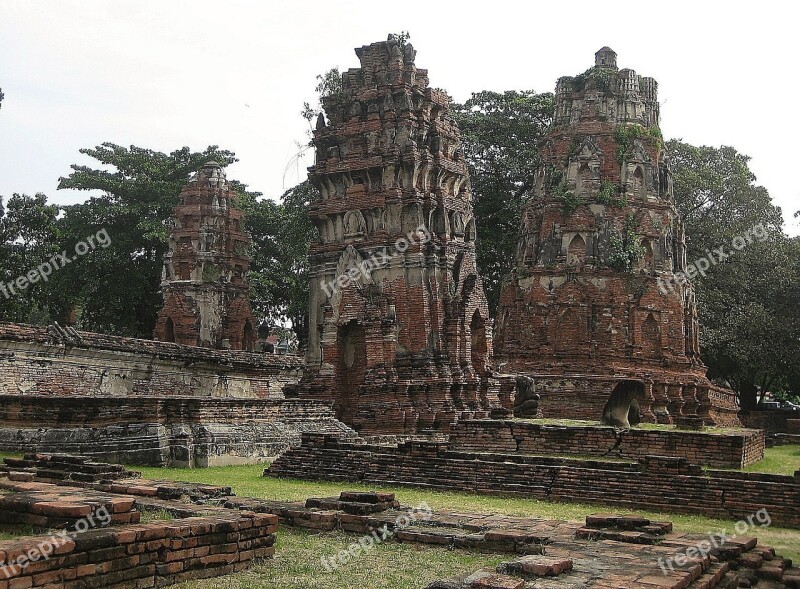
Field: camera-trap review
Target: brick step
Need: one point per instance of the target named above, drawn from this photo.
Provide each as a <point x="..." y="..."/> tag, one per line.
<point x="712" y="576"/>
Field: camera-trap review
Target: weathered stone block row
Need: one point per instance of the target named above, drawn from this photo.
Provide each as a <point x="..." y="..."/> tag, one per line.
<point x="161" y="431"/>
<point x="773" y="422"/>
<point x="722" y="450"/>
<point x="144" y="555"/>
<point x="60" y="508"/>
<point x="572" y="391"/>
<point x="670" y="484"/>
<point x="49" y="361"/>
<point x="64" y="467"/>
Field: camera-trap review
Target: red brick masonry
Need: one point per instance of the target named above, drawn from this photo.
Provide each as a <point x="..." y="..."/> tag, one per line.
<point x="656" y="483"/>
<point x="731" y="449"/>
<point x="138" y="556"/>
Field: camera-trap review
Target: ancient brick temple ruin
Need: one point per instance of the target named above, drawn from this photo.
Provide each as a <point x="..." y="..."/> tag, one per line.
<point x="595" y="298"/>
<point x="206" y="300"/>
<point x="400" y="336"/>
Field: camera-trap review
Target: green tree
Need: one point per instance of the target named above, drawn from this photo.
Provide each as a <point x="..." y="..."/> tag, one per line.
<point x="28" y="237"/>
<point x="717" y="195"/>
<point x="117" y="289"/>
<point x="501" y="135"/>
<point x="749" y="333"/>
<point x="282" y="234"/>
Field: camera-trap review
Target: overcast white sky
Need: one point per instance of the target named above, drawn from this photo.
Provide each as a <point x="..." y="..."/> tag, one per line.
<point x="164" y="74"/>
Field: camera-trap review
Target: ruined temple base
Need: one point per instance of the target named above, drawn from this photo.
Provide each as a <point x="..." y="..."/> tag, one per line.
<point x="423" y="404"/>
<point x="717" y="448"/>
<point x="669" y="396"/>
<point x="607" y="550"/>
<point x="655" y="483"/>
<point x="162" y="431"/>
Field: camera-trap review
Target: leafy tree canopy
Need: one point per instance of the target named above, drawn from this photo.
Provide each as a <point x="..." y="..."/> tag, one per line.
<point x="750" y="336"/>
<point x="501" y="134"/>
<point x="117" y="289"/>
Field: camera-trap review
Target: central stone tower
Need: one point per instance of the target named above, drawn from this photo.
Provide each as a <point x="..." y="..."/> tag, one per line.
<point x="598" y="294"/>
<point x="399" y="337"/>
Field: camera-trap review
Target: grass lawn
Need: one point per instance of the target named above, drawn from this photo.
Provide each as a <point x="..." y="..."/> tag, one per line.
<point x="247" y="481"/>
<point x="12" y="532"/>
<point x="391" y="565"/>
<point x="297" y="563"/>
<point x="778" y="460"/>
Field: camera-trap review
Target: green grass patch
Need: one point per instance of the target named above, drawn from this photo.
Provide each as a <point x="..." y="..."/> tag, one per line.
<point x="247" y="481"/>
<point x="12" y="532"/>
<point x="778" y="460"/>
<point x="391" y="565"/>
<point x="155" y="515"/>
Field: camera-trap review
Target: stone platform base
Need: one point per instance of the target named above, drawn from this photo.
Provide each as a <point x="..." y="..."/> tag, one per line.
<point x="668" y="395"/>
<point x="719" y="448"/>
<point x="104" y="547"/>
<point x="162" y="431"/>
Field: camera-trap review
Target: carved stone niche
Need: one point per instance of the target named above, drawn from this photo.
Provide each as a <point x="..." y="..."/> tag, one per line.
<point x="458" y="224"/>
<point x="355" y="227"/>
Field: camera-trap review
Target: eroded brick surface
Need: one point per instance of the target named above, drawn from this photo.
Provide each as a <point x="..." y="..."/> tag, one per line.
<point x="726" y="449"/>
<point x="584" y="303"/>
<point x="206" y="295"/>
<point x="653" y="482"/>
<point x="400" y="337"/>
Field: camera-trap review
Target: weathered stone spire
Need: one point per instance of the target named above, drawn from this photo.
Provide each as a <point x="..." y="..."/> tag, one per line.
<point x="400" y="337"/>
<point x="599" y="286"/>
<point x="206" y="294"/>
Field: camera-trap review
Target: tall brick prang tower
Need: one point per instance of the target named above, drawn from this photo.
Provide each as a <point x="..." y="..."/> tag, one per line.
<point x="206" y="295"/>
<point x="595" y="298"/>
<point x="400" y="337"/>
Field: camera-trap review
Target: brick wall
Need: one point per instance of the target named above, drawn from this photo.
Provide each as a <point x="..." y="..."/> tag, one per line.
<point x="159" y="431"/>
<point x="773" y="422"/>
<point x="147" y="555"/>
<point x="654" y="483"/>
<point x="728" y="450"/>
<point x="41" y="361"/>
<point x="667" y="394"/>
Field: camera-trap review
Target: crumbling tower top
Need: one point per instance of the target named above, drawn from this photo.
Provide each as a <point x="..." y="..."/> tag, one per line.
<point x="606" y="57"/>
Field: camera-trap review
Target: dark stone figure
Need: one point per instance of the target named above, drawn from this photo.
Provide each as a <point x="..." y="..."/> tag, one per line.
<point x="622" y="408"/>
<point x="526" y="400"/>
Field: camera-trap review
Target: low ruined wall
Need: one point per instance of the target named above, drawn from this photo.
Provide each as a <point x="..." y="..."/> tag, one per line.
<point x="161" y="431"/>
<point x="728" y="450"/>
<point x="654" y="483"/>
<point x="146" y="555"/>
<point x="773" y="422"/>
<point x="667" y="395"/>
<point x="46" y="361"/>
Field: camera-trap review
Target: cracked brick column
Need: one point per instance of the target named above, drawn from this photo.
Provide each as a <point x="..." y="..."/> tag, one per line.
<point x="400" y="335"/>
